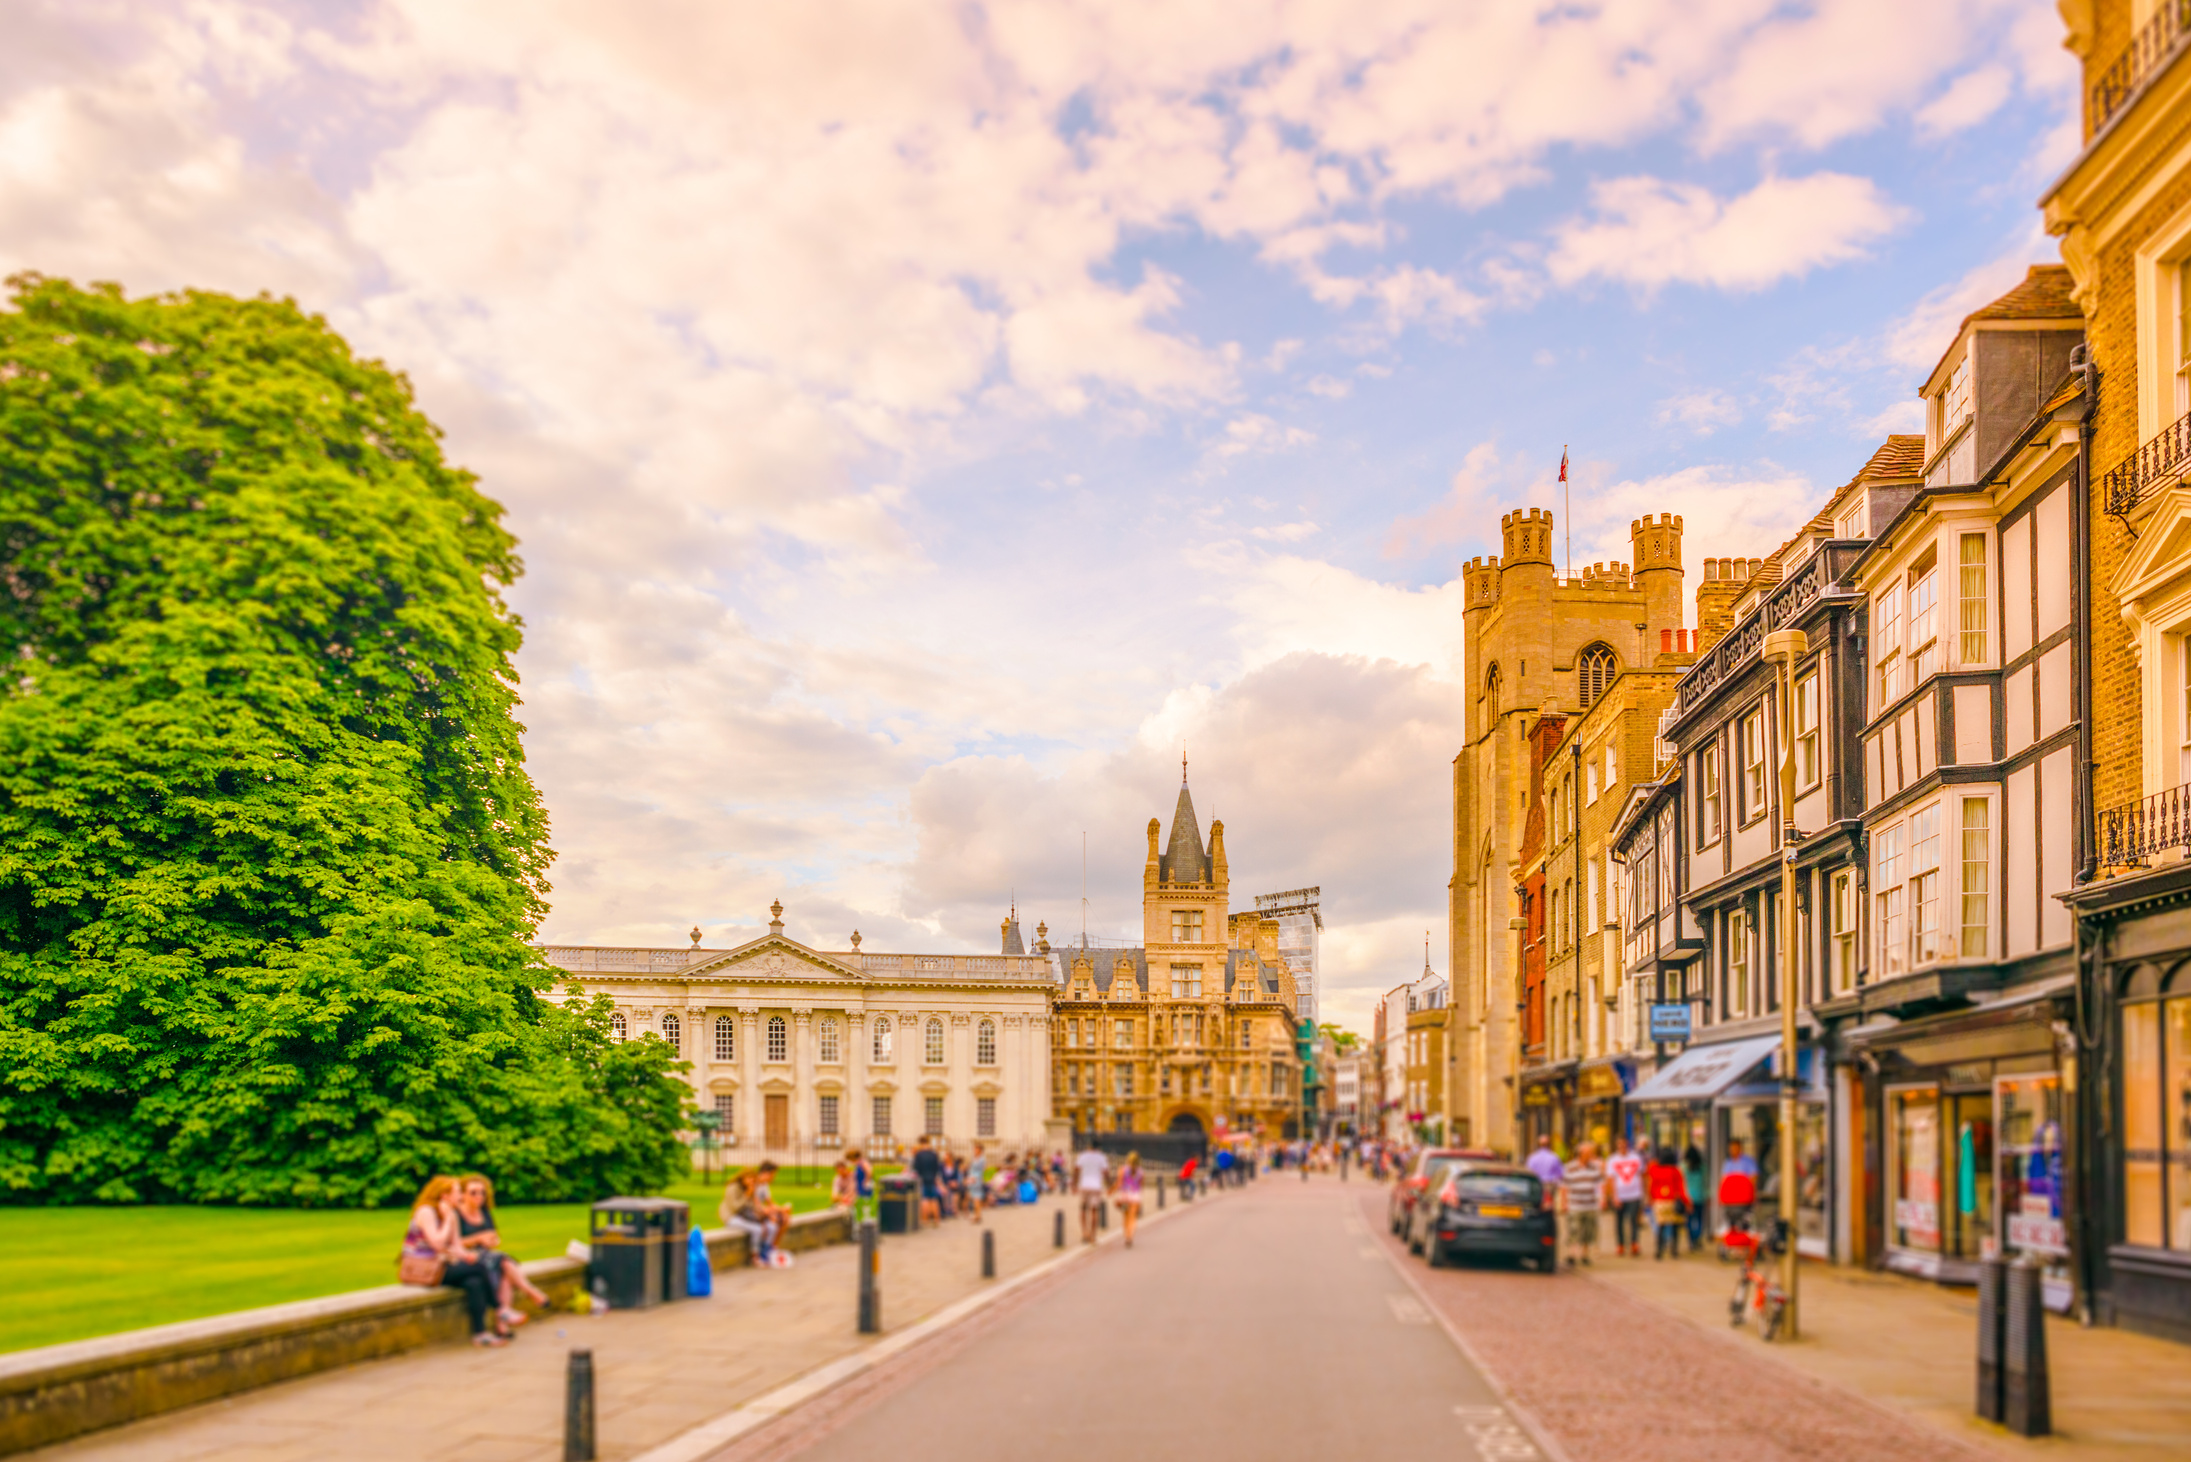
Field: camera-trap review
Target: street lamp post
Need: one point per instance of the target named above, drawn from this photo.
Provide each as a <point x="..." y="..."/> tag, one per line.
<point x="1783" y="647"/>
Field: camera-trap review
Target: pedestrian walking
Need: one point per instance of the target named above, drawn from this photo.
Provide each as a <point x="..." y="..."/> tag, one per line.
<point x="1545" y="1163"/>
<point x="1129" y="1195"/>
<point x="1693" y="1179"/>
<point x="1094" y="1171"/>
<point x="1737" y="1186"/>
<point x="1624" y="1175"/>
<point x="977" y="1189"/>
<point x="1668" y="1195"/>
<point x="1224" y="1162"/>
<point x="928" y="1168"/>
<point x="863" y="1188"/>
<point x="1583" y="1194"/>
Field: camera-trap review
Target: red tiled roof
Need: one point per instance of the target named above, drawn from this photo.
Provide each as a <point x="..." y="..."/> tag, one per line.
<point x="1901" y="455"/>
<point x="2043" y="295"/>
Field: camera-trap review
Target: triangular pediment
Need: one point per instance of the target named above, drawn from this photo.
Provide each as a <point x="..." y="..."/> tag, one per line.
<point x="2162" y="553"/>
<point x="771" y="957"/>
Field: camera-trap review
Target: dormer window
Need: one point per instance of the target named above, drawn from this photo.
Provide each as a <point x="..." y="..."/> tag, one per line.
<point x="1955" y="400"/>
<point x="1851" y="522"/>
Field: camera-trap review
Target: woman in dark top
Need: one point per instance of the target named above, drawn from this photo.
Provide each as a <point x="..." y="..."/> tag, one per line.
<point x="476" y="1230"/>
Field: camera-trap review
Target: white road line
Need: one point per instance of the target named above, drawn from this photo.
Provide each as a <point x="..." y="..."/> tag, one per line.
<point x="1407" y="1309"/>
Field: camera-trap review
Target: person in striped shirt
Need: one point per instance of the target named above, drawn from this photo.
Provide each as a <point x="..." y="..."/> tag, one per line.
<point x="1582" y="1197"/>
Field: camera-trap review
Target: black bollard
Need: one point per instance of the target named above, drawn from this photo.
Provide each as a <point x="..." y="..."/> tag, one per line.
<point x="870" y="1294"/>
<point x="1992" y="1330"/>
<point x="2026" y="1399"/>
<point x="1057" y="1233"/>
<point x="1103" y="1215"/>
<point x="578" y="1408"/>
<point x="1160" y="1190"/>
<point x="988" y="1253"/>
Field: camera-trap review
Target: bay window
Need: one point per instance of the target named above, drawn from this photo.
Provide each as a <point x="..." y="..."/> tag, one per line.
<point x="1806" y="731"/>
<point x="1925" y="887"/>
<point x="1708" y="810"/>
<point x="1887" y="642"/>
<point x="1924" y="620"/>
<point x="1977" y="875"/>
<point x="1976" y="600"/>
<point x="1842" y="911"/>
<point x="1888" y="917"/>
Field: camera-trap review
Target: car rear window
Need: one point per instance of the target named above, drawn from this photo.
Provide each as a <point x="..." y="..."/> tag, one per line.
<point x="1499" y="1187"/>
<point x="1435" y="1170"/>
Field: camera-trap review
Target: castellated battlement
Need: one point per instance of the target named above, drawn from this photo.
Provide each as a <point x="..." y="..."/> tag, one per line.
<point x="1479" y="583"/>
<point x="1527" y="538"/>
<point x="1657" y="542"/>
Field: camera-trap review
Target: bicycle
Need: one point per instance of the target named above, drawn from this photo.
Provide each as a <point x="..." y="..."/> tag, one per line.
<point x="1758" y="1296"/>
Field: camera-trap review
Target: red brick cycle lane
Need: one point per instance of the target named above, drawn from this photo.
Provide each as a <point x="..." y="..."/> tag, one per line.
<point x="1614" y="1380"/>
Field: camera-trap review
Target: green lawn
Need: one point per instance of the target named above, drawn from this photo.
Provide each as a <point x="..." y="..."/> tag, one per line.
<point x="79" y="1272"/>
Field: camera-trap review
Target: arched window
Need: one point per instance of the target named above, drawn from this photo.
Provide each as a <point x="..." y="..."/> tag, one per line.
<point x="673" y="1032"/>
<point x="779" y="1039"/>
<point x="933" y="1055"/>
<point x="1593" y="673"/>
<point x="885" y="1047"/>
<point x="828" y="1041"/>
<point x="617" y="1028"/>
<point x="726" y="1037"/>
<point x="985" y="1043"/>
<point x="1491" y="692"/>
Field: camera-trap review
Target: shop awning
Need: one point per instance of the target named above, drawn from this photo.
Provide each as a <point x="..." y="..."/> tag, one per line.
<point x="1703" y="1072"/>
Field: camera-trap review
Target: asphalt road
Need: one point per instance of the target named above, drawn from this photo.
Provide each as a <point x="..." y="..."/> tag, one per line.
<point x="1269" y="1323"/>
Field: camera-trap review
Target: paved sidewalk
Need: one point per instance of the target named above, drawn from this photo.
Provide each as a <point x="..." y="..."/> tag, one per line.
<point x="659" y="1372"/>
<point x="1911" y="1347"/>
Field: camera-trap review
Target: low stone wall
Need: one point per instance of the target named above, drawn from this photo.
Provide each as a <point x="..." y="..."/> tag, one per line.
<point x="60" y="1391"/>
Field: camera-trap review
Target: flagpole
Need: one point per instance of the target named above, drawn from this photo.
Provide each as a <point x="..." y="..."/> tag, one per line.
<point x="1567" y="505"/>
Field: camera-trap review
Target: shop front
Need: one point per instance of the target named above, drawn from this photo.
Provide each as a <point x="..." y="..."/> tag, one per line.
<point x="1710" y="1097"/>
<point x="1599" y="1088"/>
<point x="1974" y="1146"/>
<point x="1548" y="1107"/>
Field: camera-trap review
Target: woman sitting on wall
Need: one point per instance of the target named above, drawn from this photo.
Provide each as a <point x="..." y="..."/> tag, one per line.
<point x="476" y="1226"/>
<point x="434" y="1253"/>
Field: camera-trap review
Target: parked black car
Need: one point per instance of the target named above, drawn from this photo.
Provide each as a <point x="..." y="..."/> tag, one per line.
<point x="1429" y="1166"/>
<point x="1493" y="1209"/>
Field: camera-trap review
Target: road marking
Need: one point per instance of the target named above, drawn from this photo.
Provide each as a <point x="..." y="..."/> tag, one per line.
<point x="1370" y="1253"/>
<point x="1407" y="1309"/>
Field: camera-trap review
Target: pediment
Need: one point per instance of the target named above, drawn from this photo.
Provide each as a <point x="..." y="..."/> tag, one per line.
<point x="771" y="957"/>
<point x="2162" y="553"/>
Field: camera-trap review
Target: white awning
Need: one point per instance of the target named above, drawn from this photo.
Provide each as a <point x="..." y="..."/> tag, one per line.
<point x="1703" y="1072"/>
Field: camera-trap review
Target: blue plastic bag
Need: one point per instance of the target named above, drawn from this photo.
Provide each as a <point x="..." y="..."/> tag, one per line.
<point x="699" y="1274"/>
<point x="1027" y="1193"/>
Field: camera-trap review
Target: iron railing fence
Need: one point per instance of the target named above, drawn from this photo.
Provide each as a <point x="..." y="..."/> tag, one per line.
<point x="2153" y="46"/>
<point x="2144" y="471"/>
<point x="2130" y="835"/>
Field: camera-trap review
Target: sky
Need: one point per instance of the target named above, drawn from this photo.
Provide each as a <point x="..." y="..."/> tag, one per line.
<point x="926" y="422"/>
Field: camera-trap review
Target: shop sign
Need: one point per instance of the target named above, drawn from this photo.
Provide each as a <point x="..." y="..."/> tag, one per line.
<point x="1669" y="1022"/>
<point x="1536" y="1096"/>
<point x="2035" y="1228"/>
<point x="1920" y="1220"/>
<point x="1598" y="1082"/>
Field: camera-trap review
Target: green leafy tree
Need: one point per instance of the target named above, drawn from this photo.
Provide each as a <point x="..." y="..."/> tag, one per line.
<point x="1342" y="1039"/>
<point x="270" y="861"/>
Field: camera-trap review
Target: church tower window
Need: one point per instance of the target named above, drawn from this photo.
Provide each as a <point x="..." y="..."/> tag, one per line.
<point x="1593" y="674"/>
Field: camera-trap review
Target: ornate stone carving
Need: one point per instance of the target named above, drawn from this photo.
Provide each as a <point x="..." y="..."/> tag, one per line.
<point x="960" y="1017"/>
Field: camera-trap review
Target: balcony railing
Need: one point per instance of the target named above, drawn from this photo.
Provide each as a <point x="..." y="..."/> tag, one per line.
<point x="1782" y="606"/>
<point x="2154" y="45"/>
<point x="2151" y="467"/>
<point x="2131" y="835"/>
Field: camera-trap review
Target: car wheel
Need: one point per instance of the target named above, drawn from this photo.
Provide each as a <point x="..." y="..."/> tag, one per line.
<point x="1434" y="1255"/>
<point x="1414" y="1245"/>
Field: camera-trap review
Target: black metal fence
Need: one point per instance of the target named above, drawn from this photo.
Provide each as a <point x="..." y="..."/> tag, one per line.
<point x="2130" y="835"/>
<point x="1158" y="1149"/>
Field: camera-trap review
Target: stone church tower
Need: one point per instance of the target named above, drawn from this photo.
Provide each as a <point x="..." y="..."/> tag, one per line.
<point x="1534" y="643"/>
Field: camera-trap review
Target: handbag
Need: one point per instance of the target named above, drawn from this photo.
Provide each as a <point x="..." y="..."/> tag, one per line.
<point x="423" y="1270"/>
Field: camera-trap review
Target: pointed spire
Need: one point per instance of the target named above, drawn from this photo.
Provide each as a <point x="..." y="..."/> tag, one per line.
<point x="1185" y="862"/>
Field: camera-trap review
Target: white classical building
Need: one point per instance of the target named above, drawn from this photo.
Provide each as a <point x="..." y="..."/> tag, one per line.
<point x="802" y="1050"/>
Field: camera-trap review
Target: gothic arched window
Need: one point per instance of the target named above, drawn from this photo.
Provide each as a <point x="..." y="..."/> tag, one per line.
<point x="1491" y="692"/>
<point x="985" y="1043"/>
<point x="779" y="1039"/>
<point x="884" y="1048"/>
<point x="1593" y="673"/>
<point x="933" y="1055"/>
<point x="726" y="1038"/>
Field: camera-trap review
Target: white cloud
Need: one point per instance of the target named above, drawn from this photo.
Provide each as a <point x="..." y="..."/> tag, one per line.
<point x="1332" y="388"/>
<point x="1971" y="99"/>
<point x="1650" y="232"/>
<point x="1284" y="532"/>
<point x="1703" y="411"/>
<point x="1255" y="432"/>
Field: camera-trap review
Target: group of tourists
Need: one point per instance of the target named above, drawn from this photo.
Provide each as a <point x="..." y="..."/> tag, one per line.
<point x="452" y="1241"/>
<point x="955" y="1186"/>
<point x="1639" y="1181"/>
<point x="749" y="1206"/>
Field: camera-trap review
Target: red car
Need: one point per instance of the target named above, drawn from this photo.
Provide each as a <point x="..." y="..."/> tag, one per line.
<point x="1429" y="1166"/>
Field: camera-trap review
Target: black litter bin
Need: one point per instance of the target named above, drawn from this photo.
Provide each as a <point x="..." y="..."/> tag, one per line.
<point x="639" y="1250"/>
<point x="898" y="1209"/>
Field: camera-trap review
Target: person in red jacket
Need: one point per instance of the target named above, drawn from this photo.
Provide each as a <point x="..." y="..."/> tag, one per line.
<point x="1668" y="1195"/>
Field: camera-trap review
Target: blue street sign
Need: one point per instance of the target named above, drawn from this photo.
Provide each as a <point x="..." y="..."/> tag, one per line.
<point x="1669" y="1022"/>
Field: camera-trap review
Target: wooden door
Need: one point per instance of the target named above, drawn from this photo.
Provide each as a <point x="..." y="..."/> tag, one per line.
<point x="777" y="1131"/>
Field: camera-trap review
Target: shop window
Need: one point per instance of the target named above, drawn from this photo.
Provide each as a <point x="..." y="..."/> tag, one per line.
<point x="1977" y="875"/>
<point x="1967" y="1175"/>
<point x="1843" y="913"/>
<point x="1915" y="1171"/>
<point x="2157" y="1123"/>
<point x="2031" y="1168"/>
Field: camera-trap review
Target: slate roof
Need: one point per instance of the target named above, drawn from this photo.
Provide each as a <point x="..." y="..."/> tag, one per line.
<point x="2043" y="295"/>
<point x="1186" y="862"/>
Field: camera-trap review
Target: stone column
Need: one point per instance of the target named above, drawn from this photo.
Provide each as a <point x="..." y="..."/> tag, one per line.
<point x="853" y="1122"/>
<point x="802" y="1077"/>
<point x="749" y="1076"/>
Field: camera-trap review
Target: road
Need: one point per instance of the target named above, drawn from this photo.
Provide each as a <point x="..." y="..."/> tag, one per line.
<point x="1269" y="1323"/>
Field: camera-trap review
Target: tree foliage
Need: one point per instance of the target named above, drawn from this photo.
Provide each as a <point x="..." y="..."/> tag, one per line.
<point x="1342" y="1040"/>
<point x="270" y="861"/>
